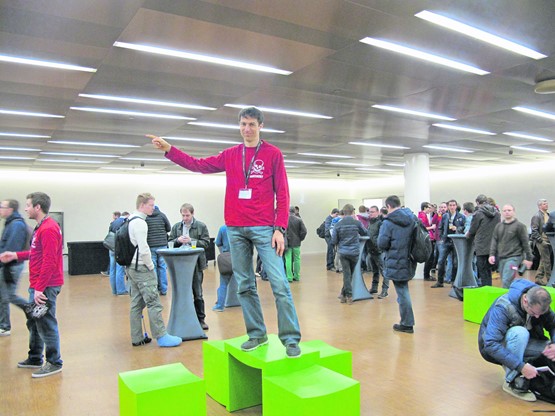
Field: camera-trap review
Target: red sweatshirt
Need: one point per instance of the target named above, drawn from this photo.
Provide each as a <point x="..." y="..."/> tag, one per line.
<point x="269" y="203"/>
<point x="45" y="257"/>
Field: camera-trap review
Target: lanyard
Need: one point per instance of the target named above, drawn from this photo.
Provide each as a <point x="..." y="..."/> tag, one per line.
<point x="248" y="173"/>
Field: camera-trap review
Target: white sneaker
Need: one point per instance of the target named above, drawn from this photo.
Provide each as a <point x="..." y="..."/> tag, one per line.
<point x="519" y="394"/>
<point x="5" y="332"/>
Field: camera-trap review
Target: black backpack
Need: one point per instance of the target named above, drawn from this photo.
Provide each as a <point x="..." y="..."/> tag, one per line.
<point x="321" y="230"/>
<point x="543" y="386"/>
<point x="124" y="248"/>
<point x="421" y="245"/>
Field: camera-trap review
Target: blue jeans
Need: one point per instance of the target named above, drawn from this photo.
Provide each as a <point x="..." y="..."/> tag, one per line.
<point x="507" y="273"/>
<point x="518" y="342"/>
<point x="242" y="241"/>
<point x="117" y="276"/>
<point x="43" y="332"/>
<point x="160" y="269"/>
<point x="445" y="249"/>
<point x="222" y="290"/>
<point x="330" y="253"/>
<point x="9" y="278"/>
<point x="404" y="301"/>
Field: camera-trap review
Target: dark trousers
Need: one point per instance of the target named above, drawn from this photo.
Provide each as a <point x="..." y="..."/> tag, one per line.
<point x="330" y="254"/>
<point x="348" y="263"/>
<point x="198" y="300"/>
<point x="429" y="265"/>
<point x="484" y="270"/>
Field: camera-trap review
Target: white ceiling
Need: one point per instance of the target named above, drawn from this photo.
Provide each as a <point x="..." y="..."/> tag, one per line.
<point x="333" y="73"/>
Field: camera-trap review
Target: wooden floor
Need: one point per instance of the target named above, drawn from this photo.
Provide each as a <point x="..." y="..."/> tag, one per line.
<point x="435" y="371"/>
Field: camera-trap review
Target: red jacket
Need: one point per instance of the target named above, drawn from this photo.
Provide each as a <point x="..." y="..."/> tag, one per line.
<point x="269" y="203"/>
<point x="45" y="257"/>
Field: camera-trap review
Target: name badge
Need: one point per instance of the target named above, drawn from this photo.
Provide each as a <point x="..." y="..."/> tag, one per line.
<point x="245" y="193"/>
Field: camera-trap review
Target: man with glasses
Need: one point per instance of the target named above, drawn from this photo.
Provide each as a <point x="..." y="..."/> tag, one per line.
<point x="512" y="334"/>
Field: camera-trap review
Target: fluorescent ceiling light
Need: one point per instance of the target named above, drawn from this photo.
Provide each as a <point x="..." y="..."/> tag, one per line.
<point x="19" y="149"/>
<point x="374" y="169"/>
<point x="144" y="101"/>
<point x="193" y="139"/>
<point x="387" y="146"/>
<point x="130" y="168"/>
<point x="399" y="165"/>
<point x="229" y="126"/>
<point x="465" y="129"/>
<point x="35" y="136"/>
<point x="48" y="64"/>
<point x="527" y="136"/>
<point x="28" y="114"/>
<point x="76" y="154"/>
<point x="346" y="164"/>
<point x="90" y="162"/>
<point x="280" y="111"/>
<point x="290" y="166"/>
<point x="305" y="162"/>
<point x="412" y="112"/>
<point x="17" y="158"/>
<point x="531" y="149"/>
<point x="447" y="148"/>
<point x="91" y="143"/>
<point x="131" y="113"/>
<point x="478" y="34"/>
<point x="330" y="156"/>
<point x="142" y="159"/>
<point x="201" y="58"/>
<point x="423" y="56"/>
<point x="533" y="112"/>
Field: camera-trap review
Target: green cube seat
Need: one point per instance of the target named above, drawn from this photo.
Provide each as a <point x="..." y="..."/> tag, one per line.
<point x="315" y="390"/>
<point x="216" y="370"/>
<point x="168" y="390"/>
<point x="477" y="301"/>
<point x="340" y="361"/>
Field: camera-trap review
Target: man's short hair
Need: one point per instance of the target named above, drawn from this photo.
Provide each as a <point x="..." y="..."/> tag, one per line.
<point x="541" y="201"/>
<point x="374" y="207"/>
<point x="393" y="201"/>
<point x="424" y="205"/>
<point x="252" y="112"/>
<point x="383" y="211"/>
<point x="143" y="199"/>
<point x="40" y="198"/>
<point x="116" y="214"/>
<point x="13" y="204"/>
<point x="125" y="213"/>
<point x="481" y="199"/>
<point x="468" y="207"/>
<point x="348" y="209"/>
<point x="291" y="210"/>
<point x="453" y="200"/>
<point x="537" y="295"/>
<point x="335" y="211"/>
<point x="362" y="209"/>
<point x="188" y="207"/>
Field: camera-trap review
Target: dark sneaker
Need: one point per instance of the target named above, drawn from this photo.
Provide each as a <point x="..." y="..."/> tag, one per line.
<point x="525" y="395"/>
<point x="203" y="325"/>
<point x="254" y="343"/>
<point x="403" y="328"/>
<point x="383" y="295"/>
<point x="29" y="364"/>
<point x="144" y="341"/>
<point x="374" y="290"/>
<point x="342" y="299"/>
<point x="46" y="370"/>
<point x="5" y="332"/>
<point x="437" y="285"/>
<point x="349" y="300"/>
<point x="293" y="351"/>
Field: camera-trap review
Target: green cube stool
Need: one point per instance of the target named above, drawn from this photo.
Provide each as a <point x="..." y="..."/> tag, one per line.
<point x="340" y="361"/>
<point x="311" y="391"/>
<point x="168" y="390"/>
<point x="477" y="301"/>
<point x="551" y="291"/>
<point x="216" y="370"/>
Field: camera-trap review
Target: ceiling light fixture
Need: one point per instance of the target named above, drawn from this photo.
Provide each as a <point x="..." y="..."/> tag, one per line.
<point x="229" y="126"/>
<point x="144" y="101"/>
<point x="305" y="162"/>
<point x="48" y="64"/>
<point x="131" y="113"/>
<point x="91" y="144"/>
<point x="17" y="158"/>
<point x="447" y="148"/>
<point x="423" y="56"/>
<point x="412" y="112"/>
<point x="530" y="149"/>
<point x="34" y="136"/>
<point x="387" y="146"/>
<point x="547" y="86"/>
<point x="330" y="155"/>
<point x="280" y="111"/>
<point x="374" y="169"/>
<point x="19" y="149"/>
<point x="90" y="162"/>
<point x="130" y="168"/>
<point x="527" y="136"/>
<point x="478" y="34"/>
<point x="76" y="154"/>
<point x="346" y="164"/>
<point x="28" y="114"/>
<point x="194" y="139"/>
<point x="533" y="112"/>
<point x="142" y="159"/>
<point x="201" y="58"/>
<point x="465" y="129"/>
<point x="399" y="165"/>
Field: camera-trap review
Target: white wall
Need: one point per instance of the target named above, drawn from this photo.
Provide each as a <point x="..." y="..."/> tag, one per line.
<point x="88" y="200"/>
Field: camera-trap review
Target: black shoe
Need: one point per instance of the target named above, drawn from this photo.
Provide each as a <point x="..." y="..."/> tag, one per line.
<point x="203" y="325"/>
<point x="145" y="341"/>
<point x="437" y="285"/>
<point x="374" y="290"/>
<point x="403" y="328"/>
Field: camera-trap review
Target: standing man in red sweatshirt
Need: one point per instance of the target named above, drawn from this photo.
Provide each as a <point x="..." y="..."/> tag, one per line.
<point x="46" y="277"/>
<point x="256" y="178"/>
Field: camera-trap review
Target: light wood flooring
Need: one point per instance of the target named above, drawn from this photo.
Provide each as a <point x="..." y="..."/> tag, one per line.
<point x="435" y="371"/>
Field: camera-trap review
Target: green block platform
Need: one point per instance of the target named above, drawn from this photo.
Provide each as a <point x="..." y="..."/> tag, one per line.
<point x="168" y="390"/>
<point x="477" y="301"/>
<point x="340" y="361"/>
<point x="312" y="391"/>
<point x="216" y="370"/>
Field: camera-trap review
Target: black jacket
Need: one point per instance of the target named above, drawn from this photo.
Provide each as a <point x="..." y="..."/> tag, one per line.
<point x="158" y="228"/>
<point x="481" y="228"/>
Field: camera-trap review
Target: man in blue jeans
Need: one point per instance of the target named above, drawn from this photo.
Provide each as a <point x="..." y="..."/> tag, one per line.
<point x="512" y="333"/>
<point x="256" y="178"/>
